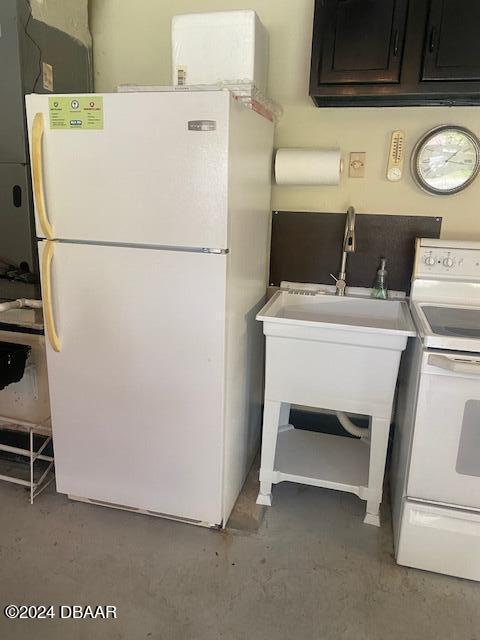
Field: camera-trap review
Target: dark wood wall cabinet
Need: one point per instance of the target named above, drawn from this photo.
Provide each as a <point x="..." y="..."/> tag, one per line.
<point x="395" y="52"/>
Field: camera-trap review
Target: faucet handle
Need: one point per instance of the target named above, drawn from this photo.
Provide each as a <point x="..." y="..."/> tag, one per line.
<point x="349" y="237"/>
<point x="336" y="279"/>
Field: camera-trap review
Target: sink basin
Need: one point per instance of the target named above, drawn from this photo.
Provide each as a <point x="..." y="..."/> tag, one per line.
<point x="339" y="353"/>
<point x="361" y="314"/>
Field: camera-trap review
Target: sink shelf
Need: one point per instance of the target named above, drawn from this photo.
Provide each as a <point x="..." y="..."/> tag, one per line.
<point x="322" y="460"/>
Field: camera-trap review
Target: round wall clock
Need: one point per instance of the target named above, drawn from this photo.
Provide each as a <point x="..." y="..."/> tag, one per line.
<point x="446" y="160"/>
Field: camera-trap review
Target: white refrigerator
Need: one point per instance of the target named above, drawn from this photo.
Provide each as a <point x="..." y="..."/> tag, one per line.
<point x="153" y="215"/>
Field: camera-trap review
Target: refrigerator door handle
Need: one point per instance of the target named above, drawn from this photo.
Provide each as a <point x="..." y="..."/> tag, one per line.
<point x="47" y="296"/>
<point x="38" y="128"/>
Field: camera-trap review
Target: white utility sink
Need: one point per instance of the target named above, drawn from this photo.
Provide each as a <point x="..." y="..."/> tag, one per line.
<point x="345" y="351"/>
<point x="335" y="353"/>
<point x="335" y="312"/>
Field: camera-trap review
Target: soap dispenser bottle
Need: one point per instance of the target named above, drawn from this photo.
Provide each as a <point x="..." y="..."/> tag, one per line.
<point x="380" y="286"/>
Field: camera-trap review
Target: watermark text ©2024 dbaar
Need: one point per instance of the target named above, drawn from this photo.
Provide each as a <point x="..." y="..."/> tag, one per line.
<point x="62" y="612"/>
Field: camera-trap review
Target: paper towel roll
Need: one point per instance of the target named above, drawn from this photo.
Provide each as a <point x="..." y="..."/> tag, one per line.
<point x="308" y="167"/>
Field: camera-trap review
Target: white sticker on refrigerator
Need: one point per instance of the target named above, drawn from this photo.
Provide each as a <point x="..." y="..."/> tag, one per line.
<point x="70" y="112"/>
<point x="181" y="76"/>
<point x="47" y="76"/>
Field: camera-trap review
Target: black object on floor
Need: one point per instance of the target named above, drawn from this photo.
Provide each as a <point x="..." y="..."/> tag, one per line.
<point x="323" y="422"/>
<point x="13" y="358"/>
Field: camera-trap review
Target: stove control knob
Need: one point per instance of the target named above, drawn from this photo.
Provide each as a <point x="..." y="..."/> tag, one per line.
<point x="430" y="261"/>
<point x="448" y="262"/>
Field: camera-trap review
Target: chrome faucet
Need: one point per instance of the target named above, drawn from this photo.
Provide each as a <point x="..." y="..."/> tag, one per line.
<point x="348" y="247"/>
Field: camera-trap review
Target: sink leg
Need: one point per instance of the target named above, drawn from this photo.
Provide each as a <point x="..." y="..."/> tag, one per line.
<point x="273" y="414"/>
<point x="380" y="430"/>
<point x="265" y="494"/>
<point x="284" y="416"/>
<point x="372" y="518"/>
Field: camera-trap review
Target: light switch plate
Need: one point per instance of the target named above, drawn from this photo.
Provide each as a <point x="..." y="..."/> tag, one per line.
<point x="357" y="163"/>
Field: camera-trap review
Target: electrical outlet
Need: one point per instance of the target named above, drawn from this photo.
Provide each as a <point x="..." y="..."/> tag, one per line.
<point x="358" y="160"/>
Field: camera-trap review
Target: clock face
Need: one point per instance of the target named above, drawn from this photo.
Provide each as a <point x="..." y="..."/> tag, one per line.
<point x="446" y="160"/>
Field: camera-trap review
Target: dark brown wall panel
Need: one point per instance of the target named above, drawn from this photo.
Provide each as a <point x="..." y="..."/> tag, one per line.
<point x="306" y="247"/>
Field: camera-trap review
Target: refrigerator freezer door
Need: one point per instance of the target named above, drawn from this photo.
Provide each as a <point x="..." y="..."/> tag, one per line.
<point x="137" y="387"/>
<point x="153" y="175"/>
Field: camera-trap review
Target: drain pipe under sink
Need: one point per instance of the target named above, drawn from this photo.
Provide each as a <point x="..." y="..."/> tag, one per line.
<point x="352" y="429"/>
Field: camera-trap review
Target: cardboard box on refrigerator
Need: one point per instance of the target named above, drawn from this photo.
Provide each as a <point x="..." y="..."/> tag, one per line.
<point x="223" y="46"/>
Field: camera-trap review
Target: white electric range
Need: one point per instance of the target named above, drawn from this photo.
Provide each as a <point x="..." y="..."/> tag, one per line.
<point x="436" y="458"/>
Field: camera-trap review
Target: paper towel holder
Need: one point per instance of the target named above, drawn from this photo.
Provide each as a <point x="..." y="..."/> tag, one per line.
<point x="308" y="167"/>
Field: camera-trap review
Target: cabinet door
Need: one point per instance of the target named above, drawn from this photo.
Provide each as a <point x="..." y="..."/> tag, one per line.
<point x="452" y="45"/>
<point x="361" y="40"/>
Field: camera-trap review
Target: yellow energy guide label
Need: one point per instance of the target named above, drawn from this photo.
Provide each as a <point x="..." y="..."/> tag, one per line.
<point x="84" y="112"/>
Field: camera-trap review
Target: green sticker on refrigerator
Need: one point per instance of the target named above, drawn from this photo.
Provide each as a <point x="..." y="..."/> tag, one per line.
<point x="84" y="112"/>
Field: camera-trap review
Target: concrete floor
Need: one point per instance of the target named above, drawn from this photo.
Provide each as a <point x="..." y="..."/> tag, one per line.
<point x="310" y="571"/>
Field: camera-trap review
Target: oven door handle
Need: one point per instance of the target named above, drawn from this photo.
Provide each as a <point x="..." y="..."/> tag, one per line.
<point x="453" y="365"/>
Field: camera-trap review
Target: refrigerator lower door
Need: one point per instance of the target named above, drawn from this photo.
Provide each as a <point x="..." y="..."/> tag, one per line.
<point x="137" y="386"/>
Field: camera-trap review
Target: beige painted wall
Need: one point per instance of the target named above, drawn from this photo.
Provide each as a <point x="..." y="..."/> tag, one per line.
<point x="132" y="45"/>
<point x="70" y="16"/>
